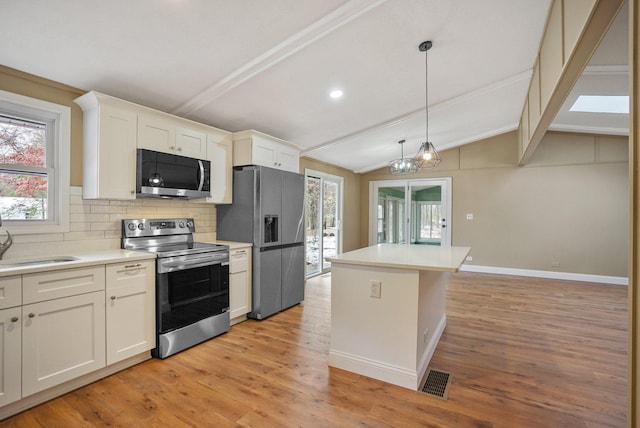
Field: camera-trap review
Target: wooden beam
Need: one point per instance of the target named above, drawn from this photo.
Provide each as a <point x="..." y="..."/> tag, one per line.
<point x="596" y="26"/>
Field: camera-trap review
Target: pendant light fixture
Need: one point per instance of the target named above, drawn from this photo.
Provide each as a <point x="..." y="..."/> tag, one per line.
<point x="403" y="165"/>
<point x="427" y="156"/>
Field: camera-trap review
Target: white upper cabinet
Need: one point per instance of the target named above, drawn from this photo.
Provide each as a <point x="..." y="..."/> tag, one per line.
<point x="114" y="129"/>
<point x="220" y="153"/>
<point x="109" y="147"/>
<point x="255" y="148"/>
<point x="164" y="133"/>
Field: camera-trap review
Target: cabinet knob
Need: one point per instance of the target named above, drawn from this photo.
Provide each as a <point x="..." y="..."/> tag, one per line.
<point x="32" y="315"/>
<point x="172" y="147"/>
<point x="179" y="149"/>
<point x="113" y="297"/>
<point x="14" y="319"/>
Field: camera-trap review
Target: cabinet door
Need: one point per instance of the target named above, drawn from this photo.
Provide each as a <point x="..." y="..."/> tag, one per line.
<point x="238" y="294"/>
<point x="130" y="310"/>
<point x="264" y="153"/>
<point x="115" y="170"/>
<point x="10" y="356"/>
<point x="191" y="143"/>
<point x="156" y="132"/>
<point x="239" y="282"/>
<point x="220" y="153"/>
<point x="61" y="340"/>
<point x="288" y="159"/>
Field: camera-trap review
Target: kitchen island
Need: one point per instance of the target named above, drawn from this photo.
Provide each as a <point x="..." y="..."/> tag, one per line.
<point x="388" y="309"/>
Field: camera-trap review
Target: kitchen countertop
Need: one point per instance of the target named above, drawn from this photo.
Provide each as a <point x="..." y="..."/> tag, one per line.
<point x="9" y="267"/>
<point x="401" y="256"/>
<point x="232" y="244"/>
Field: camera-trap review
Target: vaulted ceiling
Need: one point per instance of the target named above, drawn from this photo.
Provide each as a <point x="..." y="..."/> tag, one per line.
<point x="270" y="65"/>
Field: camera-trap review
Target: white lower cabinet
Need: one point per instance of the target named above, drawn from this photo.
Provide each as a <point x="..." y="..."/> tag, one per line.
<point x="61" y="340"/>
<point x="239" y="283"/>
<point x="11" y="355"/>
<point x="130" y="309"/>
<point x="56" y="326"/>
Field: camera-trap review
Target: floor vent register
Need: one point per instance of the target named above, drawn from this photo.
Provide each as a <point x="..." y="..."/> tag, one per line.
<point x="437" y="383"/>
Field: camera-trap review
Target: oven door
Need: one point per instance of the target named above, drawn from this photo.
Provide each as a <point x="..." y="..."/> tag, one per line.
<point x="188" y="295"/>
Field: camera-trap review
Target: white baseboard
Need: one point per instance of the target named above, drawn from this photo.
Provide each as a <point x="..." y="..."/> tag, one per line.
<point x="385" y="372"/>
<point x="616" y="280"/>
<point x="423" y="364"/>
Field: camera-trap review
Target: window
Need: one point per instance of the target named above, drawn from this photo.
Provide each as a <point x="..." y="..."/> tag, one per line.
<point x="34" y="164"/>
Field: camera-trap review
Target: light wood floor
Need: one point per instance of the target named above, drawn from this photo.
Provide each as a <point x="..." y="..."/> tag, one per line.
<point x="522" y="352"/>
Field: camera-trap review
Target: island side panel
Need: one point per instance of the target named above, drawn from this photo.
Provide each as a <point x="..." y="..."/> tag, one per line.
<point x="375" y="337"/>
<point x="432" y="318"/>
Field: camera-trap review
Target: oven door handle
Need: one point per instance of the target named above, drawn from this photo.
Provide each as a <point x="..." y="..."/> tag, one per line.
<point x="192" y="262"/>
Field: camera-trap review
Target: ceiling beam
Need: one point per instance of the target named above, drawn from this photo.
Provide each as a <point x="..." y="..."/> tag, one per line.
<point x="320" y="28"/>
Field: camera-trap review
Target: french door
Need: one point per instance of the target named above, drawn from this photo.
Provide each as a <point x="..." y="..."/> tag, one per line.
<point x="410" y="212"/>
<point x="323" y="220"/>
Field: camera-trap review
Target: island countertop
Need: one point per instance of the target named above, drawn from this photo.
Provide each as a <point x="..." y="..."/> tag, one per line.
<point x="401" y="256"/>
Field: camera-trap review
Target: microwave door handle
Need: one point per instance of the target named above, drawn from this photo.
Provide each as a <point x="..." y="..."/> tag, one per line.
<point x="201" y="167"/>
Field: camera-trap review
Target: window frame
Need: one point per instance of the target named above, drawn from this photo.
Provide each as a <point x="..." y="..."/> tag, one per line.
<point x="58" y="140"/>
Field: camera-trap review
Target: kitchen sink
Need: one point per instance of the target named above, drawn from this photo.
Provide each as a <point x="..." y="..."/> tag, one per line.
<point x="39" y="261"/>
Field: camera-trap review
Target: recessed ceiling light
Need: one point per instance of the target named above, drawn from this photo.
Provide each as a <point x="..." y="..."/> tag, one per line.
<point x="336" y="93"/>
<point x="601" y="104"/>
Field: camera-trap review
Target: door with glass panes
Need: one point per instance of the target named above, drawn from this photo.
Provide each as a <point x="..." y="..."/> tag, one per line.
<point x="410" y="212"/>
<point x="323" y="219"/>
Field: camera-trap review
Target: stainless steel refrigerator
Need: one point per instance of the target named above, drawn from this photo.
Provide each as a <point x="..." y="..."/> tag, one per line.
<point x="268" y="211"/>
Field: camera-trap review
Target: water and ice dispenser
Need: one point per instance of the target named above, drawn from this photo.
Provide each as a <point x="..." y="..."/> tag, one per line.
<point x="270" y="229"/>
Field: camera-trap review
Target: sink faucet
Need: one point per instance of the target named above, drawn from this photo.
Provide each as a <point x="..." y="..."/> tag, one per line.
<point x="4" y="246"/>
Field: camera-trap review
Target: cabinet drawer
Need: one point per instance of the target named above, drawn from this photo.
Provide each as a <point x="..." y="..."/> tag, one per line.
<point x="238" y="260"/>
<point x="38" y="287"/>
<point x="10" y="291"/>
<point x="130" y="274"/>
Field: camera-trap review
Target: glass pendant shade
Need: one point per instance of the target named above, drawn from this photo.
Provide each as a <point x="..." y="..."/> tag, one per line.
<point x="403" y="165"/>
<point x="428" y="156"/>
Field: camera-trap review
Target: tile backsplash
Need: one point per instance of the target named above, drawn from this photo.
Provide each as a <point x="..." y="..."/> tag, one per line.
<point x="95" y="225"/>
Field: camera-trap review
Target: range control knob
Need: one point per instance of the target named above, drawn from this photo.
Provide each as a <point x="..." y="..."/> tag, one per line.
<point x="181" y="224"/>
<point x="141" y="226"/>
<point x="131" y="226"/>
<point x="189" y="224"/>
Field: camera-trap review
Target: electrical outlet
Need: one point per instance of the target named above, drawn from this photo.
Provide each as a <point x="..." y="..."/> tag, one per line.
<point x="375" y="289"/>
<point x="470" y="216"/>
<point x="555" y="264"/>
<point x="469" y="258"/>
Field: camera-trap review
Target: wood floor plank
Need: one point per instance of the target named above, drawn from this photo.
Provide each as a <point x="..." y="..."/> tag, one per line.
<point x="522" y="352"/>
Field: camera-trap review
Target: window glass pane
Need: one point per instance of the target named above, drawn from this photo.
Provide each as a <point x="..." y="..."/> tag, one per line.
<point x="22" y="142"/>
<point x="23" y="196"/>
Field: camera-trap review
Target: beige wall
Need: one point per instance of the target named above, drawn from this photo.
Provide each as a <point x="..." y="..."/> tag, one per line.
<point x="351" y="220"/>
<point x="36" y="87"/>
<point x="569" y="204"/>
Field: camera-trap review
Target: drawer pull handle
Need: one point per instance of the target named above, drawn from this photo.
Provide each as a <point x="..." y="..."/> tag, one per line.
<point x="137" y="265"/>
<point x="14" y="319"/>
<point x="113" y="297"/>
<point x="32" y="315"/>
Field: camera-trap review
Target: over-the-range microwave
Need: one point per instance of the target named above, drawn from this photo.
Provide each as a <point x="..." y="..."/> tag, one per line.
<point x="166" y="175"/>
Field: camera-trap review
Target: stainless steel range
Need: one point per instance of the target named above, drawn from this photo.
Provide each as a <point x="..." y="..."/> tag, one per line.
<point x="192" y="282"/>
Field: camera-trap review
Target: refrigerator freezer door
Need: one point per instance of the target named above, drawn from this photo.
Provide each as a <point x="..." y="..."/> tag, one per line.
<point x="267" y="280"/>
<point x="292" y="275"/>
<point x="292" y="222"/>
<point x="270" y="206"/>
<point x="237" y="222"/>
